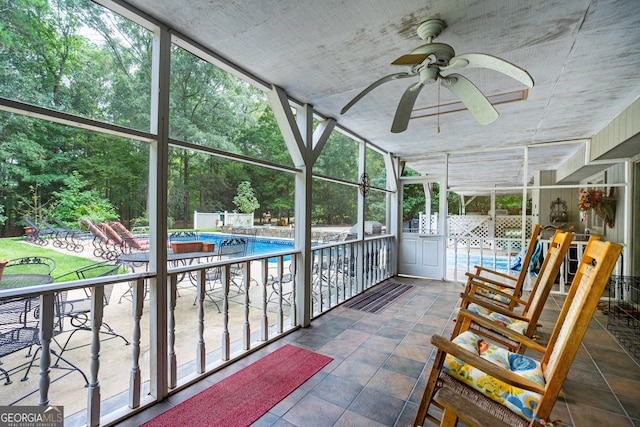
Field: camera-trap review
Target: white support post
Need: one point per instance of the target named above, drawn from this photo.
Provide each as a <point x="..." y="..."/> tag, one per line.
<point x="135" y="380"/>
<point x="158" y="172"/>
<point x="304" y="147"/>
<point x="93" y="394"/>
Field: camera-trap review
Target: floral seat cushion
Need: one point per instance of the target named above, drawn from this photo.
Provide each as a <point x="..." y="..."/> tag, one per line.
<point x="492" y="295"/>
<point x="520" y="401"/>
<point x="517" y="325"/>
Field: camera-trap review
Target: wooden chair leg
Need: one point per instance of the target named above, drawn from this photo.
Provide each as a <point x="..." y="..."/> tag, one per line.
<point x="430" y="388"/>
<point x="449" y="419"/>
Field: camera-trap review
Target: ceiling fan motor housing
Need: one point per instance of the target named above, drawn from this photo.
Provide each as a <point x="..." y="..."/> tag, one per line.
<point x="428" y="75"/>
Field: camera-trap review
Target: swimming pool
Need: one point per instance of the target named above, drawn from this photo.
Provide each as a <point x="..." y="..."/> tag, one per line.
<point x="498" y="263"/>
<point x="261" y="245"/>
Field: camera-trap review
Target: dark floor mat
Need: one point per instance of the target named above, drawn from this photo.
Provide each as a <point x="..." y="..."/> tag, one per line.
<point x="379" y="298"/>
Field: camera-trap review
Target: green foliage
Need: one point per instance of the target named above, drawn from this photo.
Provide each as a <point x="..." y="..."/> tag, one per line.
<point x="3" y="217"/>
<point x="65" y="262"/>
<point x="76" y="201"/>
<point x="143" y="221"/>
<point x="47" y="59"/>
<point x="246" y="200"/>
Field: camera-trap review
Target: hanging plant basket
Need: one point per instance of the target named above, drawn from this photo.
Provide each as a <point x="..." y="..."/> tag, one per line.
<point x="602" y="205"/>
<point x="606" y="211"/>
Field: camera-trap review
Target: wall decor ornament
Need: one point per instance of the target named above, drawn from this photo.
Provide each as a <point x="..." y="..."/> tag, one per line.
<point x="365" y="184"/>
<point x="602" y="205"/>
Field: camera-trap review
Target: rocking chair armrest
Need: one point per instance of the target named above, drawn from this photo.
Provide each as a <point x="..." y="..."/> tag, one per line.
<point x="471" y="415"/>
<point x="502" y="330"/>
<point x="472" y="290"/>
<point x="493" y="307"/>
<point x="480" y="269"/>
<point x="474" y="278"/>
<point x="485" y="366"/>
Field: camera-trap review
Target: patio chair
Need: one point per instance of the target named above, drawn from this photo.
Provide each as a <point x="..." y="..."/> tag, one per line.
<point x="78" y="309"/>
<point x="76" y="236"/>
<point x="37" y="235"/>
<point x="250" y="235"/>
<point x="130" y="241"/>
<point x="118" y="242"/>
<point x="16" y="331"/>
<point x="277" y="283"/>
<point x="228" y="248"/>
<point x="235" y="247"/>
<point x="478" y="312"/>
<point x="20" y="329"/>
<point x="58" y="235"/>
<point x="327" y="268"/>
<point x="30" y="265"/>
<point x="503" y="282"/>
<point x="181" y="236"/>
<point x="484" y="384"/>
<point x="103" y="246"/>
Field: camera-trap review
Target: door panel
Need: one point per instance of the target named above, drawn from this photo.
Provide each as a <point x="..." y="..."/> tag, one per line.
<point x="421" y="249"/>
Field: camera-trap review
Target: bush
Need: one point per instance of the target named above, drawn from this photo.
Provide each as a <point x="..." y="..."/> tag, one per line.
<point x="77" y="201"/>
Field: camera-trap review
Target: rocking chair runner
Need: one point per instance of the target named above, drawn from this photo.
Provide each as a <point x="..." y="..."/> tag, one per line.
<point x="483" y="384"/>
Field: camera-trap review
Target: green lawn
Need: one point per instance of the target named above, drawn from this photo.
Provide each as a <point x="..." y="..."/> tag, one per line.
<point x="65" y="263"/>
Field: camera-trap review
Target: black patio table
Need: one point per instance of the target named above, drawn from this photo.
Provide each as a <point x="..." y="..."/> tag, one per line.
<point x="12" y="281"/>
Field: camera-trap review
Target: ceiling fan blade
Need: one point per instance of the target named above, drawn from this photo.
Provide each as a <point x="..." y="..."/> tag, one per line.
<point x="471" y="97"/>
<point x="482" y="60"/>
<point x="416" y="56"/>
<point x="374" y="85"/>
<point x="405" y="107"/>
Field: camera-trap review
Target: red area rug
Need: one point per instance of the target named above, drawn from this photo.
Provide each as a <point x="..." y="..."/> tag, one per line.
<point x="248" y="394"/>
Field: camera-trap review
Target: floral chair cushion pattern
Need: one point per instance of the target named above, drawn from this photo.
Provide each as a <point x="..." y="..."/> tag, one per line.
<point x="497" y="297"/>
<point x="520" y="401"/>
<point x="517" y="325"/>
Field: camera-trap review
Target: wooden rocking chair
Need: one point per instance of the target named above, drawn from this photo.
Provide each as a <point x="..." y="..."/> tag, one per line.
<point x="503" y="282"/>
<point x="476" y="312"/>
<point x="485" y="385"/>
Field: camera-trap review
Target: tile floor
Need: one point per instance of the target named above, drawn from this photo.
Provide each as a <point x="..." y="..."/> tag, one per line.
<point x="380" y="365"/>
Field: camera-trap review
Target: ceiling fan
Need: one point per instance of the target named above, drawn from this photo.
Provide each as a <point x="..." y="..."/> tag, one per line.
<point x="428" y="61"/>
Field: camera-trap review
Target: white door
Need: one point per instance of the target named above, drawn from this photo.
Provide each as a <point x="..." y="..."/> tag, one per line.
<point x="422" y="243"/>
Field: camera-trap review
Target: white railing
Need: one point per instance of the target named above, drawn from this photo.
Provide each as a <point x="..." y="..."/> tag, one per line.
<point x="208" y="325"/>
<point x="498" y="254"/>
<point x="343" y="270"/>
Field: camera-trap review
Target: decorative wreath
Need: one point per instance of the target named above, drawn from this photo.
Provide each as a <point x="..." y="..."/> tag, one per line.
<point x="603" y="206"/>
<point x="365" y="184"/>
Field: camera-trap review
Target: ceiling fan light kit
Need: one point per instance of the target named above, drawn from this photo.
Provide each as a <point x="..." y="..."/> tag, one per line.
<point x="428" y="61"/>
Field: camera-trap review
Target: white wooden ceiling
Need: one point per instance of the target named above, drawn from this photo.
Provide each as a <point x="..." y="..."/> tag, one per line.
<point x="584" y="56"/>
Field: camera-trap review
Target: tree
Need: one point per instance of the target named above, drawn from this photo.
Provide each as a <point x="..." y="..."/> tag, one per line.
<point x="76" y="201"/>
<point x="246" y="200"/>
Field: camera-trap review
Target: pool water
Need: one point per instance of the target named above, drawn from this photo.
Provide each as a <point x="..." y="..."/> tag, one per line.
<point x="262" y="245"/>
<point x="497" y="263"/>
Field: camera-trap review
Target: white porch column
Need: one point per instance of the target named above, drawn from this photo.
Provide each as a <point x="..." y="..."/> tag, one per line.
<point x="394" y="206"/>
<point x="158" y="172"/>
<point x="304" y="146"/>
